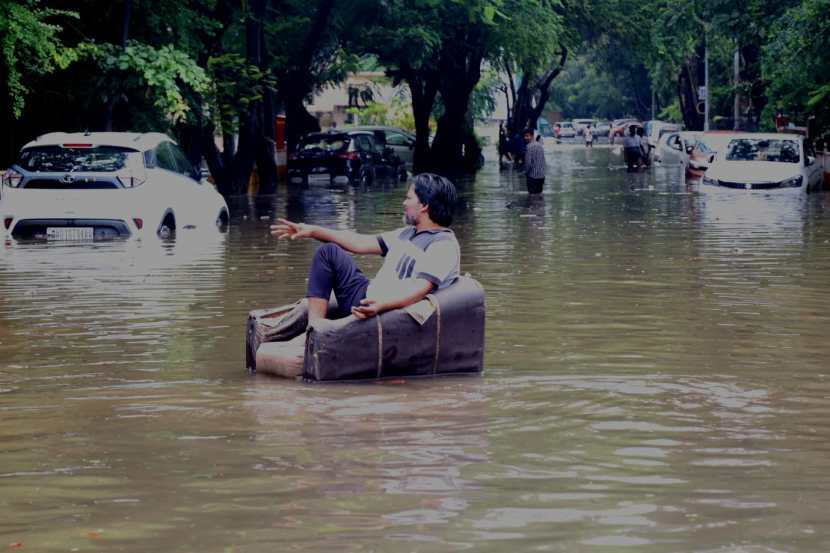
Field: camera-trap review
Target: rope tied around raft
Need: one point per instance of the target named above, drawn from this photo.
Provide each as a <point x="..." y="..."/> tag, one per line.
<point x="434" y="302"/>
<point x="380" y="345"/>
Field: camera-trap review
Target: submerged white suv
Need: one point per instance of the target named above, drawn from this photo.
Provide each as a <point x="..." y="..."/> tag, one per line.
<point x="94" y="186"/>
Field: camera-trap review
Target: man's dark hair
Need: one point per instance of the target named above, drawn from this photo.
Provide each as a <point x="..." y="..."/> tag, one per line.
<point x="528" y="131"/>
<point x="438" y="194"/>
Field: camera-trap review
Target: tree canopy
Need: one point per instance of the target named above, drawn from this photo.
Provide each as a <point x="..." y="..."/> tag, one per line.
<point x="204" y="69"/>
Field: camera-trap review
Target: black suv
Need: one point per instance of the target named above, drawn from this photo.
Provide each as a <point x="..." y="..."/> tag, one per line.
<point x="350" y="156"/>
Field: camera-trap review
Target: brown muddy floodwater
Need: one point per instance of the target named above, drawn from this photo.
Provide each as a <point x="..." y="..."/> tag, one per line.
<point x="657" y="380"/>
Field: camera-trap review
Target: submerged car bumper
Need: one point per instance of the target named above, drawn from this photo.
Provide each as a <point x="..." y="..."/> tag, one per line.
<point x="70" y="229"/>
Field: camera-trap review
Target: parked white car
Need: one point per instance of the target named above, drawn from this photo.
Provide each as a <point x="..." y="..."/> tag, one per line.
<point x="655" y="129"/>
<point x="566" y="129"/>
<point x="96" y="186"/>
<point x="580" y="124"/>
<point x="770" y="162"/>
<point x="673" y="148"/>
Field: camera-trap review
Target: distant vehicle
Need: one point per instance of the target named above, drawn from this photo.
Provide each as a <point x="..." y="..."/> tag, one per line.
<point x="673" y="148"/>
<point x="544" y="127"/>
<point x="769" y="162"/>
<point x="97" y="186"/>
<point x="619" y="127"/>
<point x="566" y="130"/>
<point x="350" y="156"/>
<point x="601" y="129"/>
<point x="654" y="129"/>
<point x="580" y="124"/>
<point x="400" y="140"/>
<point x="705" y="150"/>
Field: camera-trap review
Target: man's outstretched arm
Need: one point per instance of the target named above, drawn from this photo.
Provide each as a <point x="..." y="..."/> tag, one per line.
<point x="346" y="239"/>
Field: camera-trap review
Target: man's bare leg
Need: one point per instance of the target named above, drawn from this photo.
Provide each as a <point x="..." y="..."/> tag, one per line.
<point x="317" y="308"/>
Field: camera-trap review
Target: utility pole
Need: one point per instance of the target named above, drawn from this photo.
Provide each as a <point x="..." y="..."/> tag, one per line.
<point x="736" y="80"/>
<point x="706" y="84"/>
<point x="653" y="103"/>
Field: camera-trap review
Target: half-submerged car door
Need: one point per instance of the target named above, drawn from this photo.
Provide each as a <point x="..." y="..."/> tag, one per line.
<point x="199" y="208"/>
<point x="182" y="188"/>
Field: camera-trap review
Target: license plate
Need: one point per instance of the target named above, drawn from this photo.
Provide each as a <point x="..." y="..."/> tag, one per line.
<point x="69" y="233"/>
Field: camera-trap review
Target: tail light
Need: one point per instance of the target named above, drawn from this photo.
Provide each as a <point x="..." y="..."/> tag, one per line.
<point x="139" y="223"/>
<point x="12" y="178"/>
<point x="348" y="155"/>
<point x="8" y="222"/>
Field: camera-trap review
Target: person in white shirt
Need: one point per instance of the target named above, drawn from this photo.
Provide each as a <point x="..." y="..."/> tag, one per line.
<point x="421" y="257"/>
<point x="589" y="136"/>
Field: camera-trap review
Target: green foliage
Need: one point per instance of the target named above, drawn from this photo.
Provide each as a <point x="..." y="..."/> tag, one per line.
<point x="797" y="65"/>
<point x="395" y="113"/>
<point x="30" y="45"/>
<point x="236" y="86"/>
<point x="159" y="74"/>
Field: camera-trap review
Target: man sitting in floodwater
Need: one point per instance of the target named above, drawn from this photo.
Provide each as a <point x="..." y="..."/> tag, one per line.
<point x="419" y="258"/>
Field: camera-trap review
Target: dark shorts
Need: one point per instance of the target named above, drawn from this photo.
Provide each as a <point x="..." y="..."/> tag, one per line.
<point x="534" y="186"/>
<point x="334" y="270"/>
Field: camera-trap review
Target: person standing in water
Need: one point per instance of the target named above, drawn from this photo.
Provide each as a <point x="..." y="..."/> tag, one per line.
<point x="534" y="163"/>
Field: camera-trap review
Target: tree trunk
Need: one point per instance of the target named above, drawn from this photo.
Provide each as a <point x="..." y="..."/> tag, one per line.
<point x="460" y="68"/>
<point x="298" y="121"/>
<point x="525" y="112"/>
<point x="125" y="28"/>
<point x="423" y="88"/>
<point x="7" y="140"/>
<point x="687" y="95"/>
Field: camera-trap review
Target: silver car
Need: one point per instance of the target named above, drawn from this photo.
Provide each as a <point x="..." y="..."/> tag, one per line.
<point x="400" y="140"/>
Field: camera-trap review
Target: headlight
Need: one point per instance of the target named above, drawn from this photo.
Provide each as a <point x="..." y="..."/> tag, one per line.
<point x="794" y="182"/>
<point x="710" y="181"/>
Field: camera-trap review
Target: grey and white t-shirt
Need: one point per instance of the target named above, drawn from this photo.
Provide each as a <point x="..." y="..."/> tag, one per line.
<point x="433" y="255"/>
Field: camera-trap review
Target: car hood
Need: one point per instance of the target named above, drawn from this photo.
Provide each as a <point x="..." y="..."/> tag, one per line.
<point x="753" y="171"/>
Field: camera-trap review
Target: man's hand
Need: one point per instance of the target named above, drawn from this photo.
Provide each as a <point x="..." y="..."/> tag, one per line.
<point x="287" y="229"/>
<point x="367" y="308"/>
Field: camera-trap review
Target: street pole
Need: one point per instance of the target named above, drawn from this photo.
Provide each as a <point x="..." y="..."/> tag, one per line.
<point x="706" y="84"/>
<point x="736" y="79"/>
<point x="652" y="103"/>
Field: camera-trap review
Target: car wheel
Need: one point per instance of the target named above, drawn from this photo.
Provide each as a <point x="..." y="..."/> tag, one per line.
<point x="365" y="177"/>
<point x="222" y="220"/>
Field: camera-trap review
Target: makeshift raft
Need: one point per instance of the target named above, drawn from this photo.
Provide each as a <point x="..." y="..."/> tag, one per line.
<point x="442" y="334"/>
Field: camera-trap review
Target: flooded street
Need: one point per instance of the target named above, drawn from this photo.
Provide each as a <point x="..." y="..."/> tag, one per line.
<point x="656" y="380"/>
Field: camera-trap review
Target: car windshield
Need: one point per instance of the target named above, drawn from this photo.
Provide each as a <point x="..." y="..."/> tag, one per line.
<point x="762" y="149"/>
<point x="57" y="159"/>
<point x="323" y="142"/>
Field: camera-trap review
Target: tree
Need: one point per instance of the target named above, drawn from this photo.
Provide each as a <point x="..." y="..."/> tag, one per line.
<point x="796" y="65"/>
<point x="30" y="45"/>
